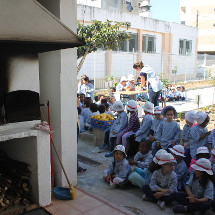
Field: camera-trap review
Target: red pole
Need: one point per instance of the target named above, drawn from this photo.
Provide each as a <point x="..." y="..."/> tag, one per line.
<point x="52" y="170"/>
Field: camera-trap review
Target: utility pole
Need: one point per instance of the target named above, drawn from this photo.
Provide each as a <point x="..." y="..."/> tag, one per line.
<point x="197" y="19"/>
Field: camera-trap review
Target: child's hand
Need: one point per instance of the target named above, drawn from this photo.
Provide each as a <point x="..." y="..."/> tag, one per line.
<point x="158" y="144"/>
<point x="165" y="191"/>
<point x="107" y="178"/>
<point x="151" y="138"/>
<point x="191" y="198"/>
<point x="134" y="169"/>
<point x="113" y="132"/>
<point x="158" y="195"/>
<point x="173" y="143"/>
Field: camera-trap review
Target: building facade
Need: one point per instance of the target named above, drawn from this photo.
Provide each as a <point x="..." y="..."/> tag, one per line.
<point x="201" y="14"/>
<point x="163" y="45"/>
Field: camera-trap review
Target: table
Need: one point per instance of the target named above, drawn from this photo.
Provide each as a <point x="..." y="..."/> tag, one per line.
<point x="130" y="92"/>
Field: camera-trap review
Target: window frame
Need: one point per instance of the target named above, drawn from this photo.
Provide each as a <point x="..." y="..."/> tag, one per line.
<point x="184" y="50"/>
<point x="146" y="43"/>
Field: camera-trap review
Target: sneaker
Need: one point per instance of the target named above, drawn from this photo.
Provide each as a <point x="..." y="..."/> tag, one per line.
<point x="103" y="146"/>
<point x="109" y="154"/>
<point x="144" y="197"/>
<point x="161" y="205"/>
<point x="179" y="209"/>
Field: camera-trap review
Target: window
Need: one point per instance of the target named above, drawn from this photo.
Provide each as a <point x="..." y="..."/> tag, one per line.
<point x="149" y="44"/>
<point x="185" y="47"/>
<point x="183" y="22"/>
<point x="129" y="45"/>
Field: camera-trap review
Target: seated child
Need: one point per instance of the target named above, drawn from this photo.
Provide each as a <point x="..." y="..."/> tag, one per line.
<point x="112" y="99"/>
<point x="202" y="152"/>
<point x="86" y="113"/>
<point x="181" y="169"/>
<point x="212" y="160"/>
<point x="199" y="133"/>
<point x="94" y="109"/>
<point x="190" y="118"/>
<point x="199" y="190"/>
<point x="168" y="133"/>
<point x="119" y="170"/>
<point x="140" y="177"/>
<point x="133" y="124"/>
<point x="155" y="123"/>
<point x="171" y="95"/>
<point x="145" y="126"/>
<point x="101" y="109"/>
<point x="183" y="93"/>
<point x="119" y="124"/>
<point x="107" y="110"/>
<point x="100" y="97"/>
<point x="144" y="157"/>
<point x="163" y="184"/>
<point x="81" y="120"/>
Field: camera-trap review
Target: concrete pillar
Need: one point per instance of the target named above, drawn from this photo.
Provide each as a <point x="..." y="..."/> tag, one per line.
<point x="108" y="62"/>
<point x="58" y="85"/>
<point x="140" y="45"/>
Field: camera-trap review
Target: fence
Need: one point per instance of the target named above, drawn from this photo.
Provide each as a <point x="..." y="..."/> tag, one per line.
<point x="175" y="68"/>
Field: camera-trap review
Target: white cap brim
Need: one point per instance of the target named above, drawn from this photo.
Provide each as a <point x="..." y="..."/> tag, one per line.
<point x="194" y="166"/>
<point x="176" y="153"/>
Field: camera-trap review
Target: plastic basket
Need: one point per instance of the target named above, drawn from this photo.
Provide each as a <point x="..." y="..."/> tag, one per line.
<point x="101" y="124"/>
<point x="62" y="193"/>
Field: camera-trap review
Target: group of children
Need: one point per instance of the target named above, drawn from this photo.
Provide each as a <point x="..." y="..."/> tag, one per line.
<point x="177" y="94"/>
<point x="172" y="165"/>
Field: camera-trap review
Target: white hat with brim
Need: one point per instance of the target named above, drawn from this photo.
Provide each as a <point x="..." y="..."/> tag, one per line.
<point x="158" y="155"/>
<point x="178" y="150"/>
<point x="157" y="110"/>
<point x="132" y="105"/>
<point x="118" y="106"/>
<point x="166" y="158"/>
<point x="120" y="148"/>
<point x="203" y="165"/>
<point x="123" y="78"/>
<point x="170" y="108"/>
<point x="200" y="117"/>
<point x="202" y="150"/>
<point x="148" y="107"/>
<point x="191" y="116"/>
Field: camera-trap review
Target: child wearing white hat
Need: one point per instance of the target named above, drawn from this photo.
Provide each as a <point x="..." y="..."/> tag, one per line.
<point x="168" y="133"/>
<point x="155" y="123"/>
<point x="133" y="125"/>
<point x="199" y="190"/>
<point x="199" y="133"/>
<point x="140" y="177"/>
<point x="119" y="170"/>
<point x="190" y="118"/>
<point x="130" y="85"/>
<point x="211" y="140"/>
<point x="119" y="124"/>
<point x="163" y="184"/>
<point x="146" y="124"/>
<point x="181" y="169"/>
<point x="202" y="152"/>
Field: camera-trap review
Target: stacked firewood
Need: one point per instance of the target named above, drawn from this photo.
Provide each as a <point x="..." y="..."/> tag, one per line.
<point x="14" y="183"/>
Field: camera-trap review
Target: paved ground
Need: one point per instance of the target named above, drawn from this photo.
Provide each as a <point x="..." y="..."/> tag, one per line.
<point x="127" y="199"/>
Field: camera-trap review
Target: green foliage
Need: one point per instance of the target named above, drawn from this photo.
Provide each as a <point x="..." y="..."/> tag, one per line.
<point x="205" y="109"/>
<point x="212" y="81"/>
<point x="107" y="35"/>
<point x="109" y="78"/>
<point x="165" y="81"/>
<point x="179" y="115"/>
<point x="209" y="72"/>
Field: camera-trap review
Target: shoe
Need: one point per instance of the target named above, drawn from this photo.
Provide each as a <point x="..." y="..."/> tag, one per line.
<point x="109" y="154"/>
<point x="161" y="205"/>
<point x="144" y="197"/>
<point x="179" y="209"/>
<point x="80" y="169"/>
<point x="103" y="146"/>
<point x="112" y="184"/>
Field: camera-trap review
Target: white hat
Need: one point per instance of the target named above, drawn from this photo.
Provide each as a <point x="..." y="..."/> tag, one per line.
<point x="178" y="150"/>
<point x="123" y="78"/>
<point x="190" y="116"/>
<point x="213" y="151"/>
<point x="148" y="107"/>
<point x="202" y="150"/>
<point x="178" y="86"/>
<point x="157" y="110"/>
<point x="203" y="164"/>
<point x="158" y="155"/>
<point x="200" y="117"/>
<point x="130" y="77"/>
<point x="166" y="158"/>
<point x="120" y="148"/>
<point x="118" y="106"/>
<point x="132" y="105"/>
<point x="172" y="88"/>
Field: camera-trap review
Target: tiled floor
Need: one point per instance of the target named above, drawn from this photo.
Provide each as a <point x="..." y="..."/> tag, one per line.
<point x="84" y="204"/>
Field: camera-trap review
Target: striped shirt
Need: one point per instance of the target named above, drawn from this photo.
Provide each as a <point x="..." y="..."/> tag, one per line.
<point x="134" y="123"/>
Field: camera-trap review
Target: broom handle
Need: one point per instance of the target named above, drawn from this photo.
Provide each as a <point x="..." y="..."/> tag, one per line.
<point x="64" y="171"/>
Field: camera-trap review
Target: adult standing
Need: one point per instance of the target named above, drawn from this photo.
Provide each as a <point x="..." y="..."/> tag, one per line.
<point x="81" y="85"/>
<point x="147" y="74"/>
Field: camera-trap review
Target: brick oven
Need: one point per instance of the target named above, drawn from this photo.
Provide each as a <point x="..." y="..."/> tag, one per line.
<point x="26" y="29"/>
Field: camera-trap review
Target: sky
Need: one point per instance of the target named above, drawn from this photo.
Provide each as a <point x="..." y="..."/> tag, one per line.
<point x="166" y="10"/>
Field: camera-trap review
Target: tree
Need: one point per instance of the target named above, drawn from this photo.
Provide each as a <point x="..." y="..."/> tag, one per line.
<point x="107" y="35"/>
